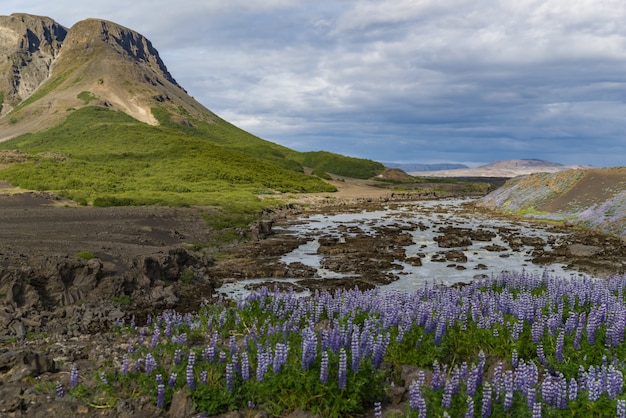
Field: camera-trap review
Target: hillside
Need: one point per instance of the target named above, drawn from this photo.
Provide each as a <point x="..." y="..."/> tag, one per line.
<point x="593" y="198"/>
<point x="94" y="114"/>
<point x="502" y="168"/>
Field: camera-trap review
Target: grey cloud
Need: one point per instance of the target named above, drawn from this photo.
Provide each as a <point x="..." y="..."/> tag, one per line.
<point x="428" y="81"/>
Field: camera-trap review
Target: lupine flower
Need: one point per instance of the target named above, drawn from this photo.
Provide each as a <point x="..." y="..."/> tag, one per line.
<point x="621" y="409"/>
<point x="485" y="410"/>
<point x="324" y="368"/>
<point x="245" y="366"/>
<point x="103" y="379"/>
<point x="204" y="377"/>
<point x="190" y="378"/>
<point x="309" y="348"/>
<point x="172" y="381"/>
<point x="416" y="399"/>
<point x="560" y="341"/>
<point x="150" y="363"/>
<point x="469" y="413"/>
<point x="230" y="381"/>
<point x="378" y="410"/>
<point x="160" y="395"/>
<point x="536" y="410"/>
<point x="342" y="378"/>
<point x="73" y="377"/>
<point x="60" y="392"/>
<point x="125" y="365"/>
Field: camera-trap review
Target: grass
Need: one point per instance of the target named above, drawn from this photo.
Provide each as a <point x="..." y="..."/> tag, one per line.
<point x="113" y="159"/>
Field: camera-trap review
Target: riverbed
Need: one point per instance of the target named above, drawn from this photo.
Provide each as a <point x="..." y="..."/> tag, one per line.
<point x="450" y="243"/>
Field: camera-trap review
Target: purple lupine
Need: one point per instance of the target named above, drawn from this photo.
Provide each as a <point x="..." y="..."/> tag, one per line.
<point x="191" y="359"/>
<point x="263" y="363"/>
<point x="204" y="377"/>
<point x="155" y="337"/>
<point x="233" y="345"/>
<point x="579" y="330"/>
<point x="245" y="366"/>
<point x="469" y="413"/>
<point x="222" y="357"/>
<point x="416" y="399"/>
<point x="541" y="356"/>
<point x="560" y="341"/>
<point x="621" y="409"/>
<point x="158" y="378"/>
<point x="514" y="358"/>
<point x="354" y="349"/>
<point x="73" y="377"/>
<point x="531" y="398"/>
<point x="472" y="381"/>
<point x="378" y="410"/>
<point x="178" y="357"/>
<point x="103" y="379"/>
<point x="125" y="365"/>
<point x="190" y="378"/>
<point x="343" y="365"/>
<point x="537" y="330"/>
<point x="380" y="348"/>
<point x="172" y="380"/>
<point x="309" y="348"/>
<point x="280" y="356"/>
<point x="160" y="396"/>
<point x="485" y="409"/>
<point x="230" y="380"/>
<point x="150" y="363"/>
<point x="60" y="391"/>
<point x="536" y="410"/>
<point x="446" y="399"/>
<point x="324" y="368"/>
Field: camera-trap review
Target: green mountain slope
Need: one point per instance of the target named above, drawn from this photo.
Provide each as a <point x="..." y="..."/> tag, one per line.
<point x="106" y="157"/>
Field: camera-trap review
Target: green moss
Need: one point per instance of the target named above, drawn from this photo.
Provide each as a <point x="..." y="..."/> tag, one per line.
<point x="87" y="96"/>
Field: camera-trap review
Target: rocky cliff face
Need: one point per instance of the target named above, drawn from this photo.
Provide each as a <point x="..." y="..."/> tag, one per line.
<point x="28" y="47"/>
<point x="46" y="70"/>
<point x="123" y="40"/>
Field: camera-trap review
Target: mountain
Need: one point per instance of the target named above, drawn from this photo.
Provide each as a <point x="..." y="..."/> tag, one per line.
<point x="594" y="198"/>
<point x="49" y="69"/>
<point x="92" y="113"/>
<point x="414" y="167"/>
<point x="503" y="168"/>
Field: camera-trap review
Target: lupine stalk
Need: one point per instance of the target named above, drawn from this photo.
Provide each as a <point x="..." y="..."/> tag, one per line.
<point x="73" y="377"/>
<point x="342" y="378"/>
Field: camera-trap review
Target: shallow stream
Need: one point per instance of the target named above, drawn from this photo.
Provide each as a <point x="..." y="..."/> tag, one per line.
<point x="484" y="258"/>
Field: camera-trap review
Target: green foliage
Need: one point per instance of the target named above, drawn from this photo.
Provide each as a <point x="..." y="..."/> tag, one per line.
<point x="85" y="255"/>
<point x="122" y="299"/>
<point x="87" y="96"/>
<point x="115" y="160"/>
<point x="340" y="164"/>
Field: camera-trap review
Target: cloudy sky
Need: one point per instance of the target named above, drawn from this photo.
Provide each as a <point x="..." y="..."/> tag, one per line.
<point x="424" y="81"/>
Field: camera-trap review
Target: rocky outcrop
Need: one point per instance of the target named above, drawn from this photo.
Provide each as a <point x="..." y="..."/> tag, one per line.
<point x="28" y="47"/>
<point x="46" y="293"/>
<point x="121" y="39"/>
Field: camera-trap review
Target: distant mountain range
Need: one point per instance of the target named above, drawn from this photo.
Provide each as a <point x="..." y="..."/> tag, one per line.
<point x="502" y="168"/>
<point x="410" y="167"/>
